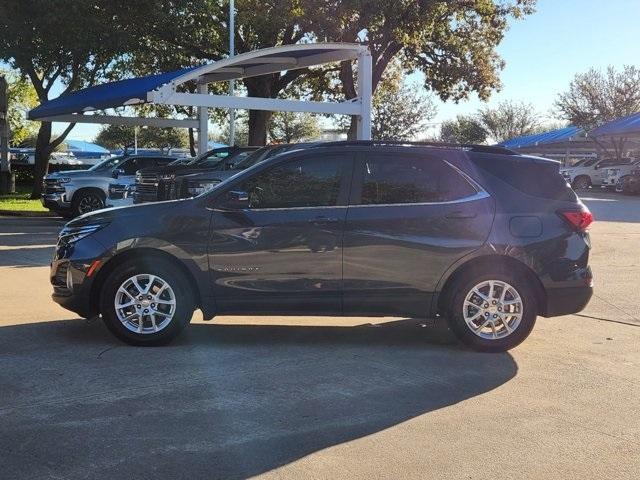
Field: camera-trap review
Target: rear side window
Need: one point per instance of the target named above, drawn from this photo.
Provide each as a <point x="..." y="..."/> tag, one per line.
<point x="538" y="179"/>
<point x="394" y="178"/>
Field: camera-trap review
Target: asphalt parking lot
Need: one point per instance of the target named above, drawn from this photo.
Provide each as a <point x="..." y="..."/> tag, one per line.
<point x="321" y="397"/>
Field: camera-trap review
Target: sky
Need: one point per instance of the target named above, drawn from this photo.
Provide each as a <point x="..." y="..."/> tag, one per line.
<point x="542" y="53"/>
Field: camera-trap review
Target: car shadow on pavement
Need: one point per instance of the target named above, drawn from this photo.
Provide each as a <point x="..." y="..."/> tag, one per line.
<point x="224" y="401"/>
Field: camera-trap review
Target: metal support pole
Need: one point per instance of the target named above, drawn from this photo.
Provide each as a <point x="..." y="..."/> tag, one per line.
<point x="232" y="52"/>
<point x="203" y="123"/>
<point x="135" y="140"/>
<point x="364" y="95"/>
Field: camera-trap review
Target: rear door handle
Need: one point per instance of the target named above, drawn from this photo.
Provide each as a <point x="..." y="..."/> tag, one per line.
<point x="461" y="215"/>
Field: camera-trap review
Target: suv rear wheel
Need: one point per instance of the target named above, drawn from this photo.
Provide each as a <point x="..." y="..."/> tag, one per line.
<point x="146" y="302"/>
<point x="492" y="312"/>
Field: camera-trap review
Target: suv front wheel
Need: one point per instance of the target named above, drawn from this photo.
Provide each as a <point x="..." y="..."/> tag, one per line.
<point x="146" y="302"/>
<point x="492" y="312"/>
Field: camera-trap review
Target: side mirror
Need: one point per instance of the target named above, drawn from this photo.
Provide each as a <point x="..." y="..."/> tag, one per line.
<point x="117" y="172"/>
<point x="235" y="200"/>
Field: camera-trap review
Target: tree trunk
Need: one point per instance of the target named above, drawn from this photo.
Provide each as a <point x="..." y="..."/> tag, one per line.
<point x="352" y="133"/>
<point x="192" y="143"/>
<point x="258" y="121"/>
<point x="43" y="152"/>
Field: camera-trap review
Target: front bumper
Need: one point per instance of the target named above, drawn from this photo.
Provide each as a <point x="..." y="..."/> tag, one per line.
<point x="55" y="201"/>
<point x="69" y="275"/>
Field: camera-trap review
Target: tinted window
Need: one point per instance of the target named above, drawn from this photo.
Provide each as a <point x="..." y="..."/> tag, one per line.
<point x="308" y="182"/>
<point x="409" y="179"/>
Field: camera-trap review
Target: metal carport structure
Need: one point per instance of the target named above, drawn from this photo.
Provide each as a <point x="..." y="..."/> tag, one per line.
<point x="164" y="89"/>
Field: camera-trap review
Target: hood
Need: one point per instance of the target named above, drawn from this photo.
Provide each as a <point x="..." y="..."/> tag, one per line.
<point x="72" y="173"/>
<point x="107" y="215"/>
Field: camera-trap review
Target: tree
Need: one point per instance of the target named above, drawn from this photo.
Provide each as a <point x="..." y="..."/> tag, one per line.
<point x="464" y="129"/>
<point x="400" y="111"/>
<point x="290" y="127"/>
<point x="48" y="47"/>
<point x="597" y="97"/>
<point x="21" y="97"/>
<point x="120" y="136"/>
<point x="452" y="43"/>
<point x="508" y="120"/>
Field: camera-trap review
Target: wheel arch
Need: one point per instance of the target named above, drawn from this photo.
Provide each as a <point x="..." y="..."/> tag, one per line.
<point x="136" y="254"/>
<point x="486" y="263"/>
<point x="81" y="190"/>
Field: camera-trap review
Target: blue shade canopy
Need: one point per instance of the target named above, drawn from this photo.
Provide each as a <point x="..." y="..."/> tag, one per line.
<point x="554" y="136"/>
<point x="108" y="95"/>
<point x="626" y="126"/>
<point x="81" y="146"/>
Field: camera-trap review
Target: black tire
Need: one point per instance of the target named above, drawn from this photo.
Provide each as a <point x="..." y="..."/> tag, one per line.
<point x="168" y="272"/>
<point x="581" y="183"/>
<point x="87" y="201"/>
<point x="463" y="332"/>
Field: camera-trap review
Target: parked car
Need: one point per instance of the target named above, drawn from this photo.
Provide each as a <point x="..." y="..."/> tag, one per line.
<point x="630" y="184"/>
<point x="154" y="184"/>
<point x="195" y="181"/>
<point x="120" y="192"/>
<point x="616" y="174"/>
<point x="353" y="228"/>
<point x="589" y="172"/>
<point x="75" y="192"/>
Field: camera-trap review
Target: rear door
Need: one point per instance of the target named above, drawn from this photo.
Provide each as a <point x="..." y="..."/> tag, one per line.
<point x="410" y="217"/>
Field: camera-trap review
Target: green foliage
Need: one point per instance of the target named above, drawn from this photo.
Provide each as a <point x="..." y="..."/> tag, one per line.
<point x="464" y="129"/>
<point x="291" y="127"/>
<point x="21" y="97"/>
<point x="597" y="97"/>
<point x="120" y="136"/>
<point x="508" y="120"/>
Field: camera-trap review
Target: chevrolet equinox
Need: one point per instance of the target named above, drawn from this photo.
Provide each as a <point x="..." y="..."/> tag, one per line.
<point x="481" y="236"/>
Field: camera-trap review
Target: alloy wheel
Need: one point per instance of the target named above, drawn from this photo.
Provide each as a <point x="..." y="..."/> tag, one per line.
<point x="145" y="303"/>
<point x="89" y="203"/>
<point x="493" y="309"/>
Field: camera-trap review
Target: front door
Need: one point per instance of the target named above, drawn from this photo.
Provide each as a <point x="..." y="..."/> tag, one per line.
<point x="410" y="218"/>
<point x="283" y="254"/>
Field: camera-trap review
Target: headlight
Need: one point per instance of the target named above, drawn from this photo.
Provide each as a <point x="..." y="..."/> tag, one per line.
<point x="168" y="177"/>
<point x="64" y="180"/>
<point x="199" y="188"/>
<point x="70" y="235"/>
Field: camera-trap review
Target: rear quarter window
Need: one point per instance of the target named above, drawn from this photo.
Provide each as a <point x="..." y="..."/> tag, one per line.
<point x="537" y="179"/>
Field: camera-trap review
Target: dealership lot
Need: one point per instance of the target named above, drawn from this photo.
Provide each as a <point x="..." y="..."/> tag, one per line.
<point x="321" y="397"/>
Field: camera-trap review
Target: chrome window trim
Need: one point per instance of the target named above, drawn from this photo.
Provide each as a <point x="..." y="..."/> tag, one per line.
<point x="477" y="196"/>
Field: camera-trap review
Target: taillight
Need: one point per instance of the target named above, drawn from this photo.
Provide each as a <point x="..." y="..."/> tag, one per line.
<point x="578" y="219"/>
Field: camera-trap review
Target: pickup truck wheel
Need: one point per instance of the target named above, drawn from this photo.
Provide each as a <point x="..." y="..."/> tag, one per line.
<point x="87" y="201"/>
<point x="492" y="312"/>
<point x="146" y="303"/>
<point x="581" y="183"/>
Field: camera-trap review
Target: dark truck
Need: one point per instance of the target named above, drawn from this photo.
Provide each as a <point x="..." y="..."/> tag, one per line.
<point x="191" y="182"/>
<point x="154" y="184"/>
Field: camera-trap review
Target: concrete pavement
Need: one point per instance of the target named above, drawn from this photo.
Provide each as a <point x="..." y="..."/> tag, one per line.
<point x="320" y="397"/>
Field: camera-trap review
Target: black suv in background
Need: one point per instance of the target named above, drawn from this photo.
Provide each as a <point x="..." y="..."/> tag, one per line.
<point x="485" y="237"/>
<point x="154" y="184"/>
<point x="191" y="182"/>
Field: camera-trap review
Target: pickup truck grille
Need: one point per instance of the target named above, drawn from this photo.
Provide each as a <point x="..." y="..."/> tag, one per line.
<point x="146" y="188"/>
<point x="51" y="186"/>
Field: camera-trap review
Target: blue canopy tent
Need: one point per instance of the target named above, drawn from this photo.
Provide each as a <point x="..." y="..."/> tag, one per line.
<point x="545" y="138"/>
<point x="81" y="149"/>
<point x="165" y="89"/>
<point x="623" y="127"/>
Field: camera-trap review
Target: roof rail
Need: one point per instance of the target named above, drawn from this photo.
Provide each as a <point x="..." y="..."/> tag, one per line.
<point x="462" y="146"/>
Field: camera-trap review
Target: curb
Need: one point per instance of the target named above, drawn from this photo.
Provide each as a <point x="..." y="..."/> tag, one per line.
<point x="26" y="213"/>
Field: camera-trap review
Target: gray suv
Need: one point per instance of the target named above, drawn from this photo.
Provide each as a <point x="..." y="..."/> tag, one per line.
<point x="74" y="192"/>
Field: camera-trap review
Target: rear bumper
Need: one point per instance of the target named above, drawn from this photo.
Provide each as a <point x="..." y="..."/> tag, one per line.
<point x="567" y="300"/>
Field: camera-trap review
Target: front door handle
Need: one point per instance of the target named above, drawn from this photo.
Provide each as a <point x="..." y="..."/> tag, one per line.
<point x="322" y="219"/>
<point x="461" y="215"/>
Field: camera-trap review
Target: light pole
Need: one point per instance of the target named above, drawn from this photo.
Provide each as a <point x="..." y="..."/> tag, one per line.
<point x="232" y="52"/>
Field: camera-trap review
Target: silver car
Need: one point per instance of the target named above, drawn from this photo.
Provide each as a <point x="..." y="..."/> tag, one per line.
<point x="75" y="192"/>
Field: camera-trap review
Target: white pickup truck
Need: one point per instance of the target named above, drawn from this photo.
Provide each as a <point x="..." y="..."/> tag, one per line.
<point x="591" y="172"/>
<point x="616" y="174"/>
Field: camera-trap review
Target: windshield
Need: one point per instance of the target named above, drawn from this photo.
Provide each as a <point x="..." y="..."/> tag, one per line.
<point x="108" y="164"/>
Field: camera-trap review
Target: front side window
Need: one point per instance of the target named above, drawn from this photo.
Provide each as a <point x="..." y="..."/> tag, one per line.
<point x="394" y="178"/>
<point x="307" y="182"/>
